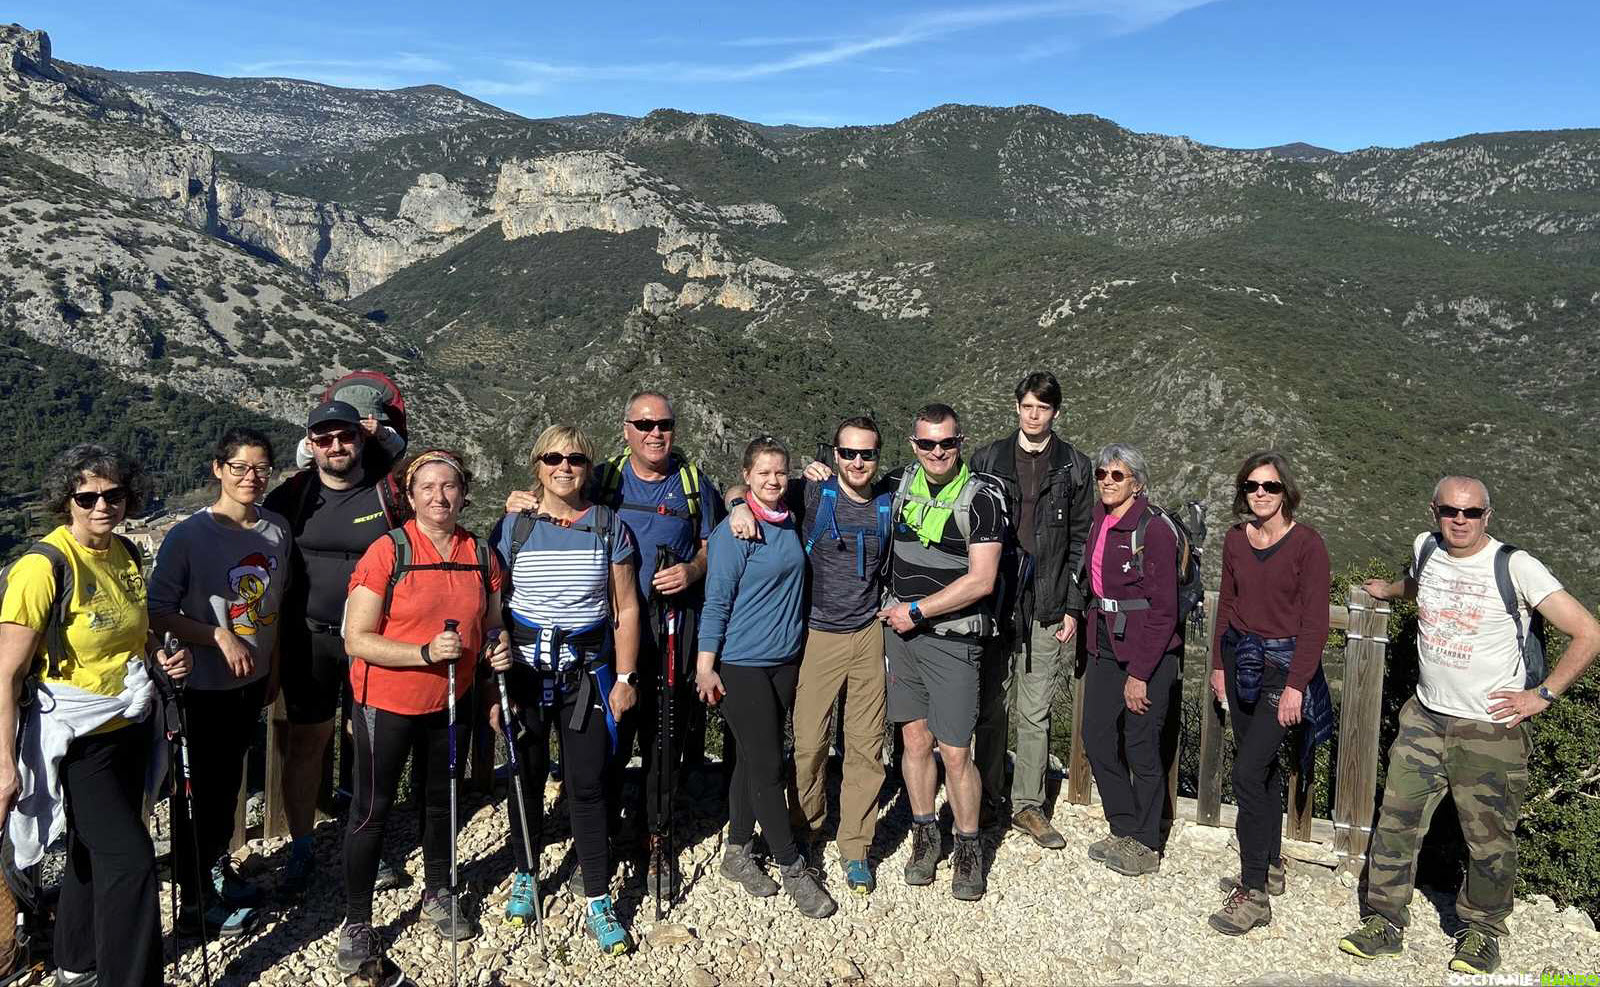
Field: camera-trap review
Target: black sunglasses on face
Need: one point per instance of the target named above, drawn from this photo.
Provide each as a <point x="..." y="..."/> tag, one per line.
<point x="1117" y="476"/>
<point x="928" y="445"/>
<point x="554" y="459"/>
<point x="343" y="436"/>
<point x="1270" y="486"/>
<point x="652" y="424"/>
<point x="865" y="455"/>
<point x="114" y="497"/>
<point x="1470" y="513"/>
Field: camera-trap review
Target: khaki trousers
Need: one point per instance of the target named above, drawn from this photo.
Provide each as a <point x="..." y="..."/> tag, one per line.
<point x="854" y="662"/>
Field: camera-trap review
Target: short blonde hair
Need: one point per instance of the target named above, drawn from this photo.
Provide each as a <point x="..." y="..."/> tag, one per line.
<point x="556" y="437"/>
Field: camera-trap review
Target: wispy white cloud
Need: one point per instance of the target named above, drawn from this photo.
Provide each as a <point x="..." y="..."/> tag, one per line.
<point x="780" y="41"/>
<point x="398" y="64"/>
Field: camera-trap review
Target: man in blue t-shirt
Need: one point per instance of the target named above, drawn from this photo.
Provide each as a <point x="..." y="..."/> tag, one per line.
<point x="667" y="502"/>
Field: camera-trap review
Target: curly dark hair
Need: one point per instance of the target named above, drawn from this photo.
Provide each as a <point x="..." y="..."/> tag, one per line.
<point x="404" y="475"/>
<point x="69" y="470"/>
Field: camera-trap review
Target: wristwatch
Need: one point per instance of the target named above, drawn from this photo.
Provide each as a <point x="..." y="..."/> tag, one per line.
<point x="916" y="613"/>
<point x="629" y="678"/>
<point x="427" y="659"/>
<point x="1546" y="694"/>
<point x="735" y="502"/>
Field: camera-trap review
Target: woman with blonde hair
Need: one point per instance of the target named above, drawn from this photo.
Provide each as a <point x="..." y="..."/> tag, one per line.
<point x="573" y="617"/>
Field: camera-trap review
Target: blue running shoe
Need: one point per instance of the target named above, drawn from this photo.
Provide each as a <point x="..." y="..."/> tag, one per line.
<point x="600" y="919"/>
<point x="858" y="877"/>
<point x="234" y="889"/>
<point x="519" y="906"/>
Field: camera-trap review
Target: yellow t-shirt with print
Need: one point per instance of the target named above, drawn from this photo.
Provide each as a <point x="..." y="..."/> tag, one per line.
<point x="106" y="624"/>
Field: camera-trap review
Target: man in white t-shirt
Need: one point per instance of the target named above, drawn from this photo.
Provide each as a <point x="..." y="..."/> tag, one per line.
<point x="1465" y="731"/>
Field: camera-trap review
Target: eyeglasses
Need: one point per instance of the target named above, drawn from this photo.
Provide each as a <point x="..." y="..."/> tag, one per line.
<point x="652" y="424"/>
<point x="928" y="445"/>
<point x="113" y="496"/>
<point x="554" y="459"/>
<point x="1470" y="513"/>
<point x="343" y="436"/>
<point x="865" y="455"/>
<point x="239" y="468"/>
<point x="1270" y="486"/>
<point x="1117" y="476"/>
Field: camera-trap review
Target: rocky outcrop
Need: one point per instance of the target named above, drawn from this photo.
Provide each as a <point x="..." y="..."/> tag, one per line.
<point x="437" y="205"/>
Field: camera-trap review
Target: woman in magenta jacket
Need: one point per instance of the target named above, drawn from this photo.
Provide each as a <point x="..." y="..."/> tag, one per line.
<point x="1135" y="646"/>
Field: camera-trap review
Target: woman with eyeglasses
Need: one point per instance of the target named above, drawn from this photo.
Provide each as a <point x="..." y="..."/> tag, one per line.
<point x="1135" y="646"/>
<point x="751" y="630"/>
<point x="73" y="623"/>
<point x="573" y="617"/>
<point x="218" y="586"/>
<point x="1266" y="660"/>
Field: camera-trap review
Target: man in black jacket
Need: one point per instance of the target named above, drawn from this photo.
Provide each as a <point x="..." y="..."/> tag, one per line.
<point x="1050" y="496"/>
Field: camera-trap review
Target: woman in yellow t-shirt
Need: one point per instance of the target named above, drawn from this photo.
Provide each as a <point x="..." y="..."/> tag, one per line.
<point x="108" y="925"/>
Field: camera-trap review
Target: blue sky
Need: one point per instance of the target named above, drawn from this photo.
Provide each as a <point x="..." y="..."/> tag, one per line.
<point x="1239" y="73"/>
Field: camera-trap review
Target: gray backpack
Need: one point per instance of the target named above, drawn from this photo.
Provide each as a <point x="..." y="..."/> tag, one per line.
<point x="1530" y="639"/>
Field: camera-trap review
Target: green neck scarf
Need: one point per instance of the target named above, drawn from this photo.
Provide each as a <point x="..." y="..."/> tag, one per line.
<point x="927" y="514"/>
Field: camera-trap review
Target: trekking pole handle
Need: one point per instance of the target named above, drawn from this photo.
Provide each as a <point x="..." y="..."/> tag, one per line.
<point x="169" y="644"/>
<point x="451" y="625"/>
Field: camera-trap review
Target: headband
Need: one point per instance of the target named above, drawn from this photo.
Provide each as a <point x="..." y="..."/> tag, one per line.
<point x="435" y="456"/>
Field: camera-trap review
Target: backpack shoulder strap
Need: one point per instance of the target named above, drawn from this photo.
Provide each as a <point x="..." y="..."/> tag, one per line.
<point x="1137" y="542"/>
<point x="1508" y="590"/>
<point x="689" y="479"/>
<point x="483" y="568"/>
<point x="388" y="500"/>
<point x="827" y="508"/>
<point x="55" y="628"/>
<point x="521" y="531"/>
<point x="1429" y="546"/>
<point x="610" y="479"/>
<point x="885" y="514"/>
<point x="402" y="565"/>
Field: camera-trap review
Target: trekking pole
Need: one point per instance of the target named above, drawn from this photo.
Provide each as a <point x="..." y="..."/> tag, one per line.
<point x="455" y="881"/>
<point x="663" y="851"/>
<point x="530" y="855"/>
<point x="178" y="736"/>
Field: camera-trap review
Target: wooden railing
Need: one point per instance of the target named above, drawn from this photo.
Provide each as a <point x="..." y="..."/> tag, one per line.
<point x="1365" y="623"/>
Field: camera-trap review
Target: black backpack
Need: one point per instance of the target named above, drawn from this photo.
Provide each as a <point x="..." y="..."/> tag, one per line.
<point x="1190" y="530"/>
<point x="1533" y="638"/>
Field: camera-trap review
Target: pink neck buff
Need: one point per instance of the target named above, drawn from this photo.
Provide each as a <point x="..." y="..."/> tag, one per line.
<point x="763" y="513"/>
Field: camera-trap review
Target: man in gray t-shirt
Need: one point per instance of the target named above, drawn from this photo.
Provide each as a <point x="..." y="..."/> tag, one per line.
<point x="843" y="523"/>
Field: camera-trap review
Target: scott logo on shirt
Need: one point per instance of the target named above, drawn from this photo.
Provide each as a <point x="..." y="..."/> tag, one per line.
<point x="363" y="519"/>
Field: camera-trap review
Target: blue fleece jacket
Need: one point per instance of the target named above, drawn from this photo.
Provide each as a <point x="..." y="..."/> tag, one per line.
<point x="755" y="591"/>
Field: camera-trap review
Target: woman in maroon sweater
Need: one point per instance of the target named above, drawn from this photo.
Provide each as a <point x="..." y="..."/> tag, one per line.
<point x="1134" y="646"/>
<point x="1272" y="624"/>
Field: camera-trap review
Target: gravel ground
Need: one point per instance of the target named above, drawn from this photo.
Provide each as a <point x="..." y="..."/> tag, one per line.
<point x="1050" y="917"/>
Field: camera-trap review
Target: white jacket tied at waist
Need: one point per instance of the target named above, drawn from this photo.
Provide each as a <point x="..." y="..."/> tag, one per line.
<point x="60" y="714"/>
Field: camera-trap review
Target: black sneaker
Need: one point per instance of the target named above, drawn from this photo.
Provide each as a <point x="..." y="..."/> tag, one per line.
<point x="1376" y="937"/>
<point x="359" y="943"/>
<point x="927" y="846"/>
<point x="452" y="923"/>
<point x="1476" y="952"/>
<point x="967" y="882"/>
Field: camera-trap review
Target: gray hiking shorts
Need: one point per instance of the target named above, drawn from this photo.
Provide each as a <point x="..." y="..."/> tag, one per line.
<point x="934" y="678"/>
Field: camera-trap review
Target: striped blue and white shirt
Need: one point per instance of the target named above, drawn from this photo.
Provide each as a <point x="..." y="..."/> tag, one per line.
<point x="559" y="576"/>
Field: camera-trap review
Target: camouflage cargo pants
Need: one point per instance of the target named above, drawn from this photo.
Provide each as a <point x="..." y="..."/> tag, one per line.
<point x="1484" y="767"/>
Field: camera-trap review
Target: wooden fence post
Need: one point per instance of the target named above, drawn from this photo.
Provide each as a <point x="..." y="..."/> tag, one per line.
<point x="1079" y="781"/>
<point x="274" y="821"/>
<point x="1356" y="777"/>
<point x="1208" y="787"/>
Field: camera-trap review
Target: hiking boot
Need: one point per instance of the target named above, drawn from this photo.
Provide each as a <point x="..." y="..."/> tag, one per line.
<point x="436" y="909"/>
<point x="1130" y="858"/>
<point x="391" y="877"/>
<point x="519" y="903"/>
<point x="1244" y="910"/>
<point x="800" y="881"/>
<point x="66" y="978"/>
<point x="1276" y="882"/>
<point x="858" y="877"/>
<point x="1476" y="952"/>
<point x="233" y="888"/>
<point x="600" y="922"/>
<point x="220" y="920"/>
<point x="1099" y="848"/>
<point x="926" y="848"/>
<point x="967" y="882"/>
<point x="1033" y="822"/>
<point x="359" y="943"/>
<point x="740" y="867"/>
<point x="1376" y="937"/>
<point x="297" y="874"/>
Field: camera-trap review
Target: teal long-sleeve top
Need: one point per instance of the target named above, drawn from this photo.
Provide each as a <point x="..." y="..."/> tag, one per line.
<point x="755" y="594"/>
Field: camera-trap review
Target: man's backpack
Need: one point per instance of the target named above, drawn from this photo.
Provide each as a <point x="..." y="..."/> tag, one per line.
<point x="371" y="391"/>
<point x="301" y="488"/>
<point x="405" y="563"/>
<point x="825" y="522"/>
<point x="999" y="603"/>
<point x="608" y="481"/>
<point x="55" y="631"/>
<point x="1532" y="639"/>
<point x="1190" y="531"/>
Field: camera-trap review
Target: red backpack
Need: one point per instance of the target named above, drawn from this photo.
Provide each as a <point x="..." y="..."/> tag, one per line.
<point x="369" y="390"/>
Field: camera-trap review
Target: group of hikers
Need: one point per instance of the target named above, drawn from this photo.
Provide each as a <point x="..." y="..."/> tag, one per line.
<point x="951" y="598"/>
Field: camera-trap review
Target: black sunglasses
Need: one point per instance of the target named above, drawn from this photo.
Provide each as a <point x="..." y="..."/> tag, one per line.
<point x="1470" y="513"/>
<point x="114" y="497"/>
<point x="1270" y="486"/>
<point x="928" y="445"/>
<point x="1117" y="476"/>
<point x="554" y="459"/>
<point x="865" y="455"/>
<point x="652" y="424"/>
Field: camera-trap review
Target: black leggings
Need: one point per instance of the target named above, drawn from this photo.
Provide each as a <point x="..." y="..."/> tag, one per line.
<point x="1257" y="777"/>
<point x="759" y="699"/>
<point x="221" y="728"/>
<point x="107" y="918"/>
<point x="1125" y="749"/>
<point x="382" y="741"/>
<point x="584" y="754"/>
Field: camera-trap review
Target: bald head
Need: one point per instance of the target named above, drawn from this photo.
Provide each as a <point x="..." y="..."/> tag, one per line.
<point x="1451" y="488"/>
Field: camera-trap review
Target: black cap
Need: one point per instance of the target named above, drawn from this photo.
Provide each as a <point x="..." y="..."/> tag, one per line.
<point x="332" y="411"/>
